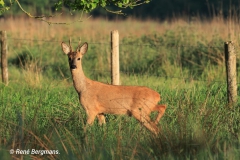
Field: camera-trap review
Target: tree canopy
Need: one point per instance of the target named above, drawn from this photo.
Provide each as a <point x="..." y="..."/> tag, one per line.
<point x="77" y="5"/>
<point x="156" y="9"/>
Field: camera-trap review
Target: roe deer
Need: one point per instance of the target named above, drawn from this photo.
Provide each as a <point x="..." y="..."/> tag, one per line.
<point x="98" y="98"/>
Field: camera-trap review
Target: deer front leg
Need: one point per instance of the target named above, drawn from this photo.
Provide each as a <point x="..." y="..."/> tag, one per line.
<point x="101" y="119"/>
<point x="91" y="117"/>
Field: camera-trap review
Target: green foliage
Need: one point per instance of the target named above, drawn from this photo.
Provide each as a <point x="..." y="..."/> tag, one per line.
<point x="77" y="5"/>
<point x="89" y="5"/>
<point x="3" y="7"/>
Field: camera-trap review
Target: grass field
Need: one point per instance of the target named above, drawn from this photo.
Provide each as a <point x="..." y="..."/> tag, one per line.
<point x="183" y="61"/>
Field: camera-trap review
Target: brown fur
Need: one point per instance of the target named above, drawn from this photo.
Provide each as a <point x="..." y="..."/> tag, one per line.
<point x="98" y="98"/>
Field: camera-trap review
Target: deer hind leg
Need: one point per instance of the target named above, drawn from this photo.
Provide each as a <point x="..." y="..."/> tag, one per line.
<point x="161" y="110"/>
<point x="146" y="121"/>
<point x="101" y="119"/>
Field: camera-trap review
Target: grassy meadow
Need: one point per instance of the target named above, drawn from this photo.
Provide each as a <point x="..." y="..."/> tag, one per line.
<point x="182" y="60"/>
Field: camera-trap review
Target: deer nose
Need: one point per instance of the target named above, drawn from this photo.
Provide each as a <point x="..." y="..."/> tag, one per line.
<point x="73" y="66"/>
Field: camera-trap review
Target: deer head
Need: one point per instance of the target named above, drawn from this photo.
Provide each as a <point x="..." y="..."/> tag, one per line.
<point x="74" y="57"/>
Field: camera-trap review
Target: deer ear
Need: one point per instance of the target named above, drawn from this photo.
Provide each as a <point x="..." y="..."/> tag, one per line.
<point x="83" y="49"/>
<point x="66" y="49"/>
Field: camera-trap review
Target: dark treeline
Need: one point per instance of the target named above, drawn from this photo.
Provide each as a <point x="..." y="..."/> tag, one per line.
<point x="156" y="9"/>
<point x="162" y="9"/>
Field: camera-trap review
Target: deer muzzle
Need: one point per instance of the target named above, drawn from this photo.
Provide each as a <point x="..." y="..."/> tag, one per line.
<point x="73" y="66"/>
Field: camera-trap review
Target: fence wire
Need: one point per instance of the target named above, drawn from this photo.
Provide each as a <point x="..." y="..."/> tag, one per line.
<point x="133" y="44"/>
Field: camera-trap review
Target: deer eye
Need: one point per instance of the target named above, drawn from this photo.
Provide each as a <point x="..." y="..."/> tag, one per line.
<point x="78" y="59"/>
<point x="69" y="59"/>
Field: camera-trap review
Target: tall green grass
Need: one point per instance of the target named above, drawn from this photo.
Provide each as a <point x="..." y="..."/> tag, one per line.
<point x="40" y="108"/>
<point x="198" y="124"/>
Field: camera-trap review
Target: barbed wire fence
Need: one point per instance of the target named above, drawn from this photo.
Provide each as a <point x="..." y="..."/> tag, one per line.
<point x="130" y="44"/>
<point x="231" y="82"/>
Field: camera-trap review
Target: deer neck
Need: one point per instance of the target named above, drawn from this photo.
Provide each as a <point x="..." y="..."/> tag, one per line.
<point x="79" y="80"/>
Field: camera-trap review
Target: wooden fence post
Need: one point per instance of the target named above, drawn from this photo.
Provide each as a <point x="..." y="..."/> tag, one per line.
<point x="115" y="75"/>
<point x="4" y="65"/>
<point x="231" y="65"/>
